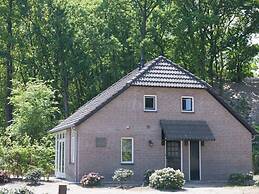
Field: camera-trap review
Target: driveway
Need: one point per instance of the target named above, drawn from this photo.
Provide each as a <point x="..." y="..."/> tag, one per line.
<point x="52" y="188"/>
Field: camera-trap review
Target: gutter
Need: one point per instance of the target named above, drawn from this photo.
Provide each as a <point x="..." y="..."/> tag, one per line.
<point x="57" y="129"/>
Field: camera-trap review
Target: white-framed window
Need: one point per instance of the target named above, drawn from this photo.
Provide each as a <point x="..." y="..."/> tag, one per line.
<point x="72" y="145"/>
<point x="127" y="150"/>
<point x="187" y="104"/>
<point x="150" y="103"/>
<point x="60" y="154"/>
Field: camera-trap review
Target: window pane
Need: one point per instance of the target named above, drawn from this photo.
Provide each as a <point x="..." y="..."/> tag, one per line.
<point x="126" y="150"/>
<point x="150" y="103"/>
<point x="187" y="104"/>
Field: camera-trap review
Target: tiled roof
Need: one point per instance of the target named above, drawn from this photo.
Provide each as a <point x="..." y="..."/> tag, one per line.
<point x="159" y="72"/>
<point x="167" y="74"/>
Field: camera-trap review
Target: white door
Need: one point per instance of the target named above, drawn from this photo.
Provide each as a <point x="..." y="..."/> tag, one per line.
<point x="60" y="155"/>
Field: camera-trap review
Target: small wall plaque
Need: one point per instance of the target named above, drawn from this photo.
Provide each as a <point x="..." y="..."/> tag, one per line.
<point x="101" y="142"/>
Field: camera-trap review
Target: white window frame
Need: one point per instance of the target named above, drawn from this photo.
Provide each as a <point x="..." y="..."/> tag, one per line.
<point x="144" y="103"/>
<point x="132" y="148"/>
<point x="60" y="138"/>
<point x="72" y="145"/>
<point x="191" y="97"/>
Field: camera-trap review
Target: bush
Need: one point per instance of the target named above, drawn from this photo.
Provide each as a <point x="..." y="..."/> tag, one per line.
<point x="167" y="178"/>
<point x="91" y="179"/>
<point x="147" y="174"/>
<point x="4" y="178"/>
<point x="256" y="162"/>
<point x="33" y="176"/>
<point x="16" y="191"/>
<point x="20" y="154"/>
<point x="122" y="175"/>
<point x="241" y="179"/>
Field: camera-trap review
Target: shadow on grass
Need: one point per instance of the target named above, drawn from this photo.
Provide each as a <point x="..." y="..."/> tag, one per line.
<point x="194" y="184"/>
<point x="34" y="184"/>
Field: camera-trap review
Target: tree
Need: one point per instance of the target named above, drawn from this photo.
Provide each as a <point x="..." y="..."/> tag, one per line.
<point x="35" y="109"/>
<point x="144" y="10"/>
<point x="212" y="38"/>
<point x="85" y="46"/>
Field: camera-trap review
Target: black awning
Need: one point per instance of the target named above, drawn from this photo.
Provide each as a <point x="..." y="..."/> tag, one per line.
<point x="186" y="130"/>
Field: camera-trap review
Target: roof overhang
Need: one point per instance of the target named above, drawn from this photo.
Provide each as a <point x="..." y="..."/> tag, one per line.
<point x="186" y="130"/>
<point x="61" y="128"/>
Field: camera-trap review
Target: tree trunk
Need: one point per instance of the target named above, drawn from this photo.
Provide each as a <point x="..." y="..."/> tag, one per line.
<point x="221" y="81"/>
<point x="143" y="31"/>
<point x="202" y="55"/>
<point x="9" y="65"/>
<point x="65" y="90"/>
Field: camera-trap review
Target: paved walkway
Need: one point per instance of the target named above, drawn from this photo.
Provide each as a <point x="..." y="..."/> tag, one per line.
<point x="52" y="188"/>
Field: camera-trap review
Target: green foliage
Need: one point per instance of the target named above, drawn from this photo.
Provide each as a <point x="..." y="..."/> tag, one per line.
<point x="256" y="162"/>
<point x="51" y="40"/>
<point x="35" y="109"/>
<point x="16" y="191"/>
<point x="147" y="175"/>
<point x="20" y="155"/>
<point x="122" y="175"/>
<point x="33" y="176"/>
<point x="91" y="179"/>
<point x="167" y="179"/>
<point x="241" y="179"/>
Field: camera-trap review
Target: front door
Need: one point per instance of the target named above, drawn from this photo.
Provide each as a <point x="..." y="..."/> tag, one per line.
<point x="194" y="160"/>
<point x="173" y="154"/>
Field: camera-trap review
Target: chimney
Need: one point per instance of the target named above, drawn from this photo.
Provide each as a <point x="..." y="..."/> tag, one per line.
<point x="142" y="63"/>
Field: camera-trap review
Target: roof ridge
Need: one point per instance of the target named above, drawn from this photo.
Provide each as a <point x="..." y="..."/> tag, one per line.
<point x="145" y="69"/>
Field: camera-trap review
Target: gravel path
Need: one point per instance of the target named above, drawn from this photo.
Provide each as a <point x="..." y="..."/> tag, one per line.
<point x="52" y="188"/>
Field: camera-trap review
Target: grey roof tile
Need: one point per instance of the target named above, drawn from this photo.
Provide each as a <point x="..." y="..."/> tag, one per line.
<point x="167" y="74"/>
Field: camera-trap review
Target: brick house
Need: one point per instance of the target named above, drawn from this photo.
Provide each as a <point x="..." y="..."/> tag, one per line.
<point x="158" y="116"/>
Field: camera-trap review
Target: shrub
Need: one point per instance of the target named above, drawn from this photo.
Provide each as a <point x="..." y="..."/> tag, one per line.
<point x="33" y="176"/>
<point x="20" y="154"/>
<point x="147" y="174"/>
<point x="16" y="191"/>
<point x="122" y="175"/>
<point x="4" y="178"/>
<point x="167" y="178"/>
<point x="91" y="179"/>
<point x="256" y="162"/>
<point x="22" y="191"/>
<point x="241" y="179"/>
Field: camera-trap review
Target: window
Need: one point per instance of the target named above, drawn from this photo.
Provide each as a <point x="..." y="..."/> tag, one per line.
<point x="127" y="146"/>
<point x="72" y="145"/>
<point x="150" y="103"/>
<point x="187" y="104"/>
<point x="60" y="154"/>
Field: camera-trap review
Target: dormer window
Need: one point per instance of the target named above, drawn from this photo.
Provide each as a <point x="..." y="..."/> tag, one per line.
<point x="187" y="104"/>
<point x="150" y="103"/>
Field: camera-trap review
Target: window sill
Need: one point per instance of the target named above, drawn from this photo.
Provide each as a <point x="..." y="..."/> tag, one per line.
<point x="127" y="163"/>
<point x="150" y="110"/>
<point x="187" y="111"/>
